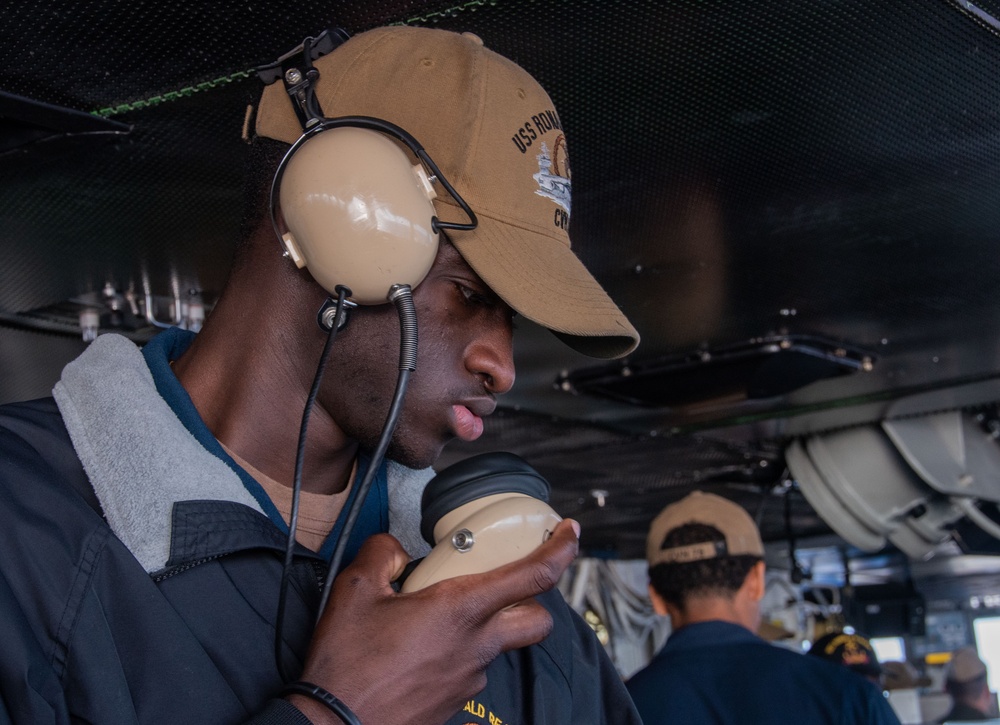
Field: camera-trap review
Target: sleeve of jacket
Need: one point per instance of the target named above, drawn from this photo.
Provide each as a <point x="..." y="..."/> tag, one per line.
<point x="279" y="712"/>
<point x="868" y="705"/>
<point x="882" y="714"/>
<point x="598" y="694"/>
<point x="30" y="688"/>
<point x="30" y="691"/>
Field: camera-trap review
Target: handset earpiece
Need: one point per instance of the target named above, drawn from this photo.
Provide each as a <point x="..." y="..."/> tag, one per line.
<point x="481" y="513"/>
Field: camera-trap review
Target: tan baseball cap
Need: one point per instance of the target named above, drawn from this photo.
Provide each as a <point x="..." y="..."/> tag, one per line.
<point x="495" y="134"/>
<point x="965" y="665"/>
<point x="738" y="529"/>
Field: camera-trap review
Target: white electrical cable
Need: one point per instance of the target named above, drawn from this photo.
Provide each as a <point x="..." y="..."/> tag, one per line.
<point x="580" y="581"/>
<point x="605" y="588"/>
<point x="968" y="507"/>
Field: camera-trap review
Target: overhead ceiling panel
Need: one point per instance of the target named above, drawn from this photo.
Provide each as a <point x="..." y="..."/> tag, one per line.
<point x="742" y="171"/>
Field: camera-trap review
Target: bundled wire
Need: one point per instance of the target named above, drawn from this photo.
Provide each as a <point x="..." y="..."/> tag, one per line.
<point x="293" y="519"/>
<point x="401" y="296"/>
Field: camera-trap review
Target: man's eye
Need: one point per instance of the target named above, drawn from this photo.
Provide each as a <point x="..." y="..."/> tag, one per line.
<point x="473" y="297"/>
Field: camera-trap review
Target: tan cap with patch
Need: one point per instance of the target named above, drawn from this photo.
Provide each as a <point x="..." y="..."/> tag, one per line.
<point x="495" y="134"/>
<point x="739" y="532"/>
<point x="965" y="665"/>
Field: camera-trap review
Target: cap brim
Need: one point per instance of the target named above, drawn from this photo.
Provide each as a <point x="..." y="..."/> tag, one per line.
<point x="773" y="632"/>
<point x="543" y="280"/>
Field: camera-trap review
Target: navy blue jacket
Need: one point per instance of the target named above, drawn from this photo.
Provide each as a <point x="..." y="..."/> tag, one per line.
<point x="717" y="673"/>
<point x="90" y="633"/>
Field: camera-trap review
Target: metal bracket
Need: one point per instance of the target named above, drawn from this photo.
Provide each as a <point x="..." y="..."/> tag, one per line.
<point x="327" y="313"/>
<point x="295" y="69"/>
<point x="326" y="42"/>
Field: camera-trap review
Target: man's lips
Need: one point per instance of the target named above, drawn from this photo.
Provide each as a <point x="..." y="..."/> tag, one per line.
<point x="467" y="422"/>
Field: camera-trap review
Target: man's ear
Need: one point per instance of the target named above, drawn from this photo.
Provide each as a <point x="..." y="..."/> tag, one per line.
<point x="659" y="606"/>
<point x="756" y="581"/>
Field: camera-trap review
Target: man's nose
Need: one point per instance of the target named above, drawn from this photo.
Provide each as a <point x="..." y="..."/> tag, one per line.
<point x="490" y="357"/>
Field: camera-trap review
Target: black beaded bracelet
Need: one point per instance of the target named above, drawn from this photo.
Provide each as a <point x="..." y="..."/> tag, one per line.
<point x="327" y="698"/>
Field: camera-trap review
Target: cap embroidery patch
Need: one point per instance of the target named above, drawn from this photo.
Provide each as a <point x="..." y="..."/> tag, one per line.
<point x="551" y="184"/>
<point x="693" y="552"/>
<point x="853" y="653"/>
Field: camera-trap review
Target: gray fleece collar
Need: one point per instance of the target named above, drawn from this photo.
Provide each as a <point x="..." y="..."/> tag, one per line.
<point x="140" y="458"/>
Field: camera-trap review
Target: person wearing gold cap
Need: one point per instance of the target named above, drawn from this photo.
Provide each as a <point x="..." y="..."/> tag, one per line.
<point x="151" y="498"/>
<point x="706" y="571"/>
<point x="852" y="651"/>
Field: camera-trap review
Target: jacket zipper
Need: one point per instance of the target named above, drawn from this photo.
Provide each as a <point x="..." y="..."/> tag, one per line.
<point x="318" y="570"/>
<point x="184" y="567"/>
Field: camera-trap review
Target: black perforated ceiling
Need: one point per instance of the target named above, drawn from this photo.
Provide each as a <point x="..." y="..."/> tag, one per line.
<point x="740" y="170"/>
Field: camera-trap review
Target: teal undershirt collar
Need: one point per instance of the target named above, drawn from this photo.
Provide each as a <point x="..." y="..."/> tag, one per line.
<point x="374" y="515"/>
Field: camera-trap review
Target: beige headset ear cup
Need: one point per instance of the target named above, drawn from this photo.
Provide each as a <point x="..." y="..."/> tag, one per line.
<point x="358" y="213"/>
